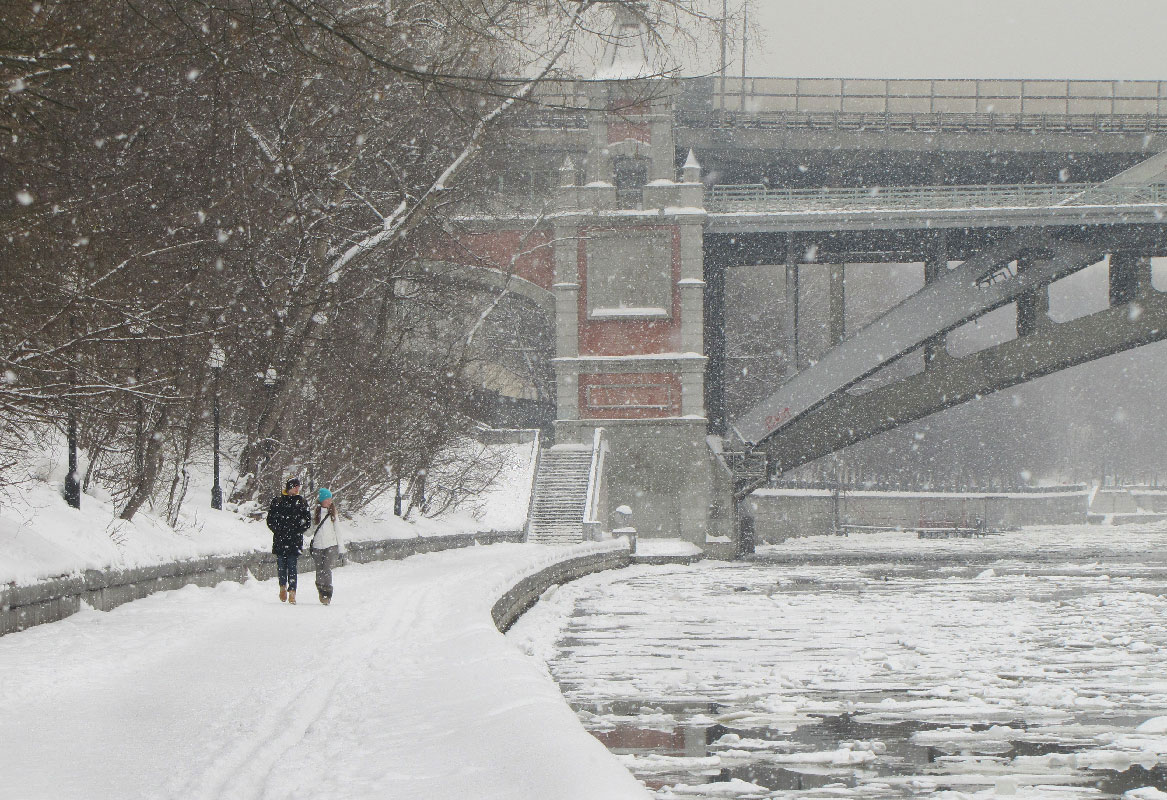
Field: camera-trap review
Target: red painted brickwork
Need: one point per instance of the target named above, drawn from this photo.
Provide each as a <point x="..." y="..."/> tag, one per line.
<point x="620" y="130"/>
<point x="494" y="249"/>
<point x="638" y="395"/>
<point x="634" y="336"/>
<point x="629" y="122"/>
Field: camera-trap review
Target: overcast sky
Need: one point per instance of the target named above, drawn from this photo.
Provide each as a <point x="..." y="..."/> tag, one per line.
<point x="1107" y="39"/>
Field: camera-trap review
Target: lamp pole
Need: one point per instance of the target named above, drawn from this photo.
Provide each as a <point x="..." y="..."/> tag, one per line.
<point x="309" y="394"/>
<point x="215" y="361"/>
<point x="137" y="329"/>
<point x="72" y="484"/>
<point x="72" y="488"/>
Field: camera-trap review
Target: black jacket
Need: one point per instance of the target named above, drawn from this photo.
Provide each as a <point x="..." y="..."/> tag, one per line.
<point x="288" y="518"/>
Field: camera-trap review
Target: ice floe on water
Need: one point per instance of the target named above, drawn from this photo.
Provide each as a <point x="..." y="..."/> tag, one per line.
<point x="1030" y="668"/>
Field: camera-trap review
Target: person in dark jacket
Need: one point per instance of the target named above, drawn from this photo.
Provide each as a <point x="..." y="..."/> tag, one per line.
<point x="288" y="518"/>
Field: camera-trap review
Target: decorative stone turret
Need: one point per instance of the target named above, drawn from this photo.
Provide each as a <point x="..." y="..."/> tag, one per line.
<point x="691" y="172"/>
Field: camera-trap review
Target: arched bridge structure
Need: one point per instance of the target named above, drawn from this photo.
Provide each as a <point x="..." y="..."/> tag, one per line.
<point x="639" y="204"/>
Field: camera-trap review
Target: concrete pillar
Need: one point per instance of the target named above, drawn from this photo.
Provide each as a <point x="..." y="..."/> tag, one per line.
<point x="935" y="265"/>
<point x="715" y="340"/>
<point x="791" y="309"/>
<point x="1032" y="307"/>
<point x="836" y="323"/>
<point x="691" y="288"/>
<point x="1144" y="287"/>
<point x="1130" y="277"/>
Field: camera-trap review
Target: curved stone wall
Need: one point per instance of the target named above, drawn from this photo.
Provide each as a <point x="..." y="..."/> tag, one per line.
<point x="526" y="592"/>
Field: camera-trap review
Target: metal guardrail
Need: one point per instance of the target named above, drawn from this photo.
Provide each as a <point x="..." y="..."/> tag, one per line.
<point x="758" y="198"/>
<point x="839" y="104"/>
<point x="876" y="122"/>
<point x="925" y="122"/>
<point x="1032" y="97"/>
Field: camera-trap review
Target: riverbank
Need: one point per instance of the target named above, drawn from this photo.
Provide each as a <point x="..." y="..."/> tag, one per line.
<point x="402" y="688"/>
<point x="878" y="667"/>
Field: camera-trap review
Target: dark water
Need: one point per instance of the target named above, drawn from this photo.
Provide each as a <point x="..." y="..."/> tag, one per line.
<point x="687" y="738"/>
<point x="898" y="756"/>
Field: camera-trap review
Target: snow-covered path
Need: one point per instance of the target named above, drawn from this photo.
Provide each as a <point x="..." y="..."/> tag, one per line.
<point x="402" y="688"/>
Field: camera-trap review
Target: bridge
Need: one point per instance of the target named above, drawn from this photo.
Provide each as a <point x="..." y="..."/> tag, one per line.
<point x="639" y="202"/>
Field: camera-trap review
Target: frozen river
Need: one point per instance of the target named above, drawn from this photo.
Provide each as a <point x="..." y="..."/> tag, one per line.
<point x="1031" y="665"/>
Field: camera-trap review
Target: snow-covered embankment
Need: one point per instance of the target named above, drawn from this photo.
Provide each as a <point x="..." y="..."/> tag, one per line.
<point x="404" y="687"/>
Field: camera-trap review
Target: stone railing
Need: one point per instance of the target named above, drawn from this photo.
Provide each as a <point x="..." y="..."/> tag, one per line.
<point x="50" y="600"/>
<point x="597" y="493"/>
<point x="526" y="591"/>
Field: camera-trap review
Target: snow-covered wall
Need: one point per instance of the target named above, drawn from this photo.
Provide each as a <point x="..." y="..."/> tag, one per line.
<point x="784" y="513"/>
<point x="47" y="601"/>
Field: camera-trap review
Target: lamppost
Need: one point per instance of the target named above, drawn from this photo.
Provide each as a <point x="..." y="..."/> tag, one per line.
<point x="309" y="394"/>
<point x="215" y="361"/>
<point x="72" y="488"/>
<point x="137" y="329"/>
<point x="72" y="491"/>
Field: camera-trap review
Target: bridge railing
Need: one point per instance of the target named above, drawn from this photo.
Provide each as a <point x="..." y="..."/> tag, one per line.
<point x="974" y="106"/>
<point x="760" y="198"/>
<point x="1085" y="98"/>
<point x="931" y="122"/>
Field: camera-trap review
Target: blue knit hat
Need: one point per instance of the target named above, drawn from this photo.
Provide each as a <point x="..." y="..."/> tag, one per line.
<point x="323" y="495"/>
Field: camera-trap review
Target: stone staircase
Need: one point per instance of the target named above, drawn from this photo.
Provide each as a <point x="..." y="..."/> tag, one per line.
<point x="561" y="487"/>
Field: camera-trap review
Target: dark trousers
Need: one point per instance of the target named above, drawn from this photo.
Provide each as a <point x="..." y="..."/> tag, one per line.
<point x="325" y="560"/>
<point x="286" y="569"/>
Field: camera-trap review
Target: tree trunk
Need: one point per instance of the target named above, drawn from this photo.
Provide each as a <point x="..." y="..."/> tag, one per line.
<point x="144" y="483"/>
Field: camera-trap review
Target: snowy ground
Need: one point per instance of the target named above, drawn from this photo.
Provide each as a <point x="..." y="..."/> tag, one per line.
<point x="42" y="537"/>
<point x="1030" y="664"/>
<point x="401" y="689"/>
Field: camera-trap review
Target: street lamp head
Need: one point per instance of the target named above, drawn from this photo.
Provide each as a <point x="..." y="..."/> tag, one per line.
<point x="216" y="358"/>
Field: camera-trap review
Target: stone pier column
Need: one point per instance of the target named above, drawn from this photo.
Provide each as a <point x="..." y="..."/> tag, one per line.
<point x="935" y="265"/>
<point x="1130" y="277"/>
<point x="715" y="343"/>
<point x="791" y="321"/>
<point x="1032" y="307"/>
<point x="1144" y="288"/>
<point x="837" y="325"/>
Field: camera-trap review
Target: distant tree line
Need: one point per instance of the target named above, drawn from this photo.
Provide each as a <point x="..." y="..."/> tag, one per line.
<point x="259" y="176"/>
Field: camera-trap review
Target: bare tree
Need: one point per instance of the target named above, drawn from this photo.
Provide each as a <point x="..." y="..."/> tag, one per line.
<point x="263" y="174"/>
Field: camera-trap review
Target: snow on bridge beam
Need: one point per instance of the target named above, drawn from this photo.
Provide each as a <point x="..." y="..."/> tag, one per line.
<point x="844" y="419"/>
<point x="972" y="289"/>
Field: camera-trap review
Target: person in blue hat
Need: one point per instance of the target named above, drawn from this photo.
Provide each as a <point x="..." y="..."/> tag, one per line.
<point x="325" y="544"/>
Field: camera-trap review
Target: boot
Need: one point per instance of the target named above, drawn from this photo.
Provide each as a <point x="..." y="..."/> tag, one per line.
<point x="325" y="599"/>
<point x="284" y="593"/>
<point x="292" y="597"/>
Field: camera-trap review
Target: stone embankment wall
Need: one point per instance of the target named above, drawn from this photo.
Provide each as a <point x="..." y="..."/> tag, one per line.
<point x="527" y="591"/>
<point x="1149" y="499"/>
<point x="784" y="513"/>
<point x="47" y="601"/>
<point x="50" y="600"/>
